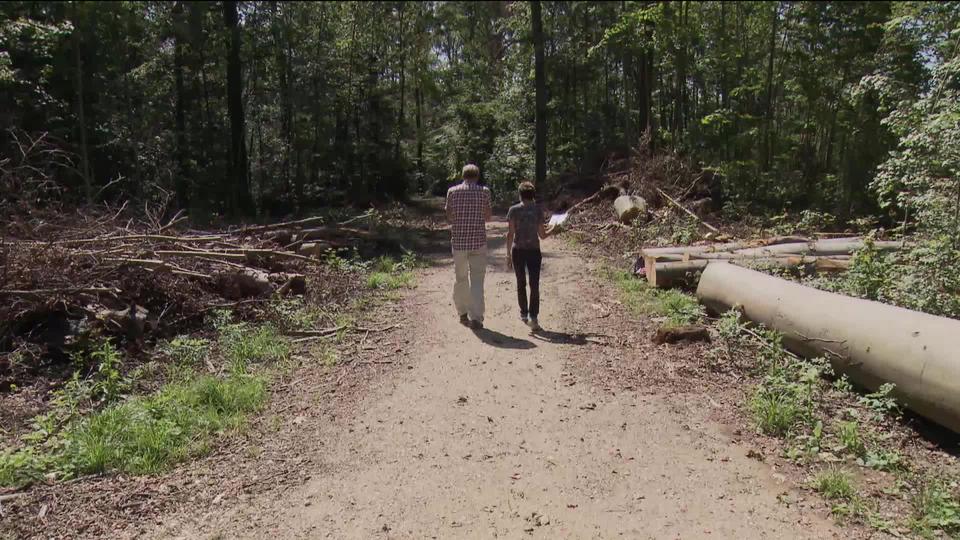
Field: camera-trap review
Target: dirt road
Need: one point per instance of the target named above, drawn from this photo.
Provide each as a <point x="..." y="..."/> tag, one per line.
<point x="488" y="435"/>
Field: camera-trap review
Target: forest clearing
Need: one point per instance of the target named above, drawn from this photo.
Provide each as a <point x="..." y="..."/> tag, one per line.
<point x="236" y="238"/>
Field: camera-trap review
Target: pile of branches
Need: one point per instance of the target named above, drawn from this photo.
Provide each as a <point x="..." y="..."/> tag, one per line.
<point x="65" y="280"/>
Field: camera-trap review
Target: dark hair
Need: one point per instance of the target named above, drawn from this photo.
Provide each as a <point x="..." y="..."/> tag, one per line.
<point x="527" y="191"/>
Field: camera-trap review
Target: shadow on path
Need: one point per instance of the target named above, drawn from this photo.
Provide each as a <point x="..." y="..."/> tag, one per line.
<point x="502" y="341"/>
<point x="561" y="338"/>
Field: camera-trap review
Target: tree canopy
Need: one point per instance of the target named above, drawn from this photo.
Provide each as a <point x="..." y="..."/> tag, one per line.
<point x="261" y="108"/>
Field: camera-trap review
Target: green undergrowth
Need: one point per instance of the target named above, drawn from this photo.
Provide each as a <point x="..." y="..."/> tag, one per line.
<point x="823" y="419"/>
<point x="677" y="307"/>
<point x="94" y="425"/>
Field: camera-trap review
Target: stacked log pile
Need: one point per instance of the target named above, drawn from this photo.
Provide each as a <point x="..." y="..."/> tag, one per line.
<point x="668" y="266"/>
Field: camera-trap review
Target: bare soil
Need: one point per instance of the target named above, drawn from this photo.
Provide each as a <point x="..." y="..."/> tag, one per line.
<point x="500" y="433"/>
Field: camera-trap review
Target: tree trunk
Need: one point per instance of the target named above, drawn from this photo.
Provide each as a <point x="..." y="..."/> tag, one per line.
<point x="237" y="185"/>
<point x="403" y="68"/>
<point x="182" y="182"/>
<point x="768" y="120"/>
<point x="81" y="116"/>
<point x="541" y="93"/>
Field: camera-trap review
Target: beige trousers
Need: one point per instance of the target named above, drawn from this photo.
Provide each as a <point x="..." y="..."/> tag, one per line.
<point x="471" y="268"/>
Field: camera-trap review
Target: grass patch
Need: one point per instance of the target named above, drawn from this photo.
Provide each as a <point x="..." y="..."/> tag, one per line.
<point x="146" y="435"/>
<point x="850" y="438"/>
<point x="777" y="409"/>
<point x="386" y="281"/>
<point x="835" y="484"/>
<point x="243" y="344"/>
<point x="387" y="273"/>
<point x="677" y="307"/>
<point x="935" y="509"/>
<point x="142" y="435"/>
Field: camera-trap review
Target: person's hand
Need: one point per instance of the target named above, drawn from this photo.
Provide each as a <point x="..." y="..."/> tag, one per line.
<point x="509" y="262"/>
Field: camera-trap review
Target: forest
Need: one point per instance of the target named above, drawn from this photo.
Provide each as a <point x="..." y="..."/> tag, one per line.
<point x="216" y="184"/>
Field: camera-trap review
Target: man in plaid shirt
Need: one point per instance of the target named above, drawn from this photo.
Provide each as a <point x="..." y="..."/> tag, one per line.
<point x="468" y="210"/>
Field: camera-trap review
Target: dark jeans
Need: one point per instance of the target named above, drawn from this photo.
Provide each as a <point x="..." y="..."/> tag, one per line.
<point x="528" y="261"/>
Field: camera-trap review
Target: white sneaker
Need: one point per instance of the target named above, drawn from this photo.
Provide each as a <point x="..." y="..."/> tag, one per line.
<point x="533" y="324"/>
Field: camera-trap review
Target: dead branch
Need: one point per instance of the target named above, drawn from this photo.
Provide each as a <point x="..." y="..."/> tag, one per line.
<point x="681" y="207"/>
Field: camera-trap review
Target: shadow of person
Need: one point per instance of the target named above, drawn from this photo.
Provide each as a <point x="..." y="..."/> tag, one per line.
<point x="502" y="341"/>
<point x="561" y="338"/>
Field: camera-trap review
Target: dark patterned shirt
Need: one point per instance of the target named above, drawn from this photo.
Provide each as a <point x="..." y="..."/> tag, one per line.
<point x="469" y="204"/>
<point x="526" y="219"/>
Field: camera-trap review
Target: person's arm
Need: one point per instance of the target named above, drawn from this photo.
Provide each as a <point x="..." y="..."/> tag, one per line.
<point x="510" y="234"/>
<point x="449" y="209"/>
<point x="488" y="211"/>
<point x="542" y="230"/>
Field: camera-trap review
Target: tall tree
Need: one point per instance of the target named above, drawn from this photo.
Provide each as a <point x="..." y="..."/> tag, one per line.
<point x="541" y="92"/>
<point x="238" y="184"/>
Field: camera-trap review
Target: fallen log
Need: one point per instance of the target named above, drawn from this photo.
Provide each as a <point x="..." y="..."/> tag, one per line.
<point x="871" y="342"/>
<point x="667" y="274"/>
<point x="833" y="246"/>
<point x="629" y="208"/>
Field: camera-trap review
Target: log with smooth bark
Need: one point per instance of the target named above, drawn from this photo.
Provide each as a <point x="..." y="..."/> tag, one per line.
<point x="871" y="342"/>
<point x="833" y="246"/>
<point x="667" y="274"/>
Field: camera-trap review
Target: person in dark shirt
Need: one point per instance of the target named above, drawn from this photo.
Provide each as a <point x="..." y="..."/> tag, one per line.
<point x="523" y="251"/>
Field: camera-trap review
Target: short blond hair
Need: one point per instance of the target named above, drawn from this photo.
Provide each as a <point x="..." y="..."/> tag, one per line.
<point x="471" y="172"/>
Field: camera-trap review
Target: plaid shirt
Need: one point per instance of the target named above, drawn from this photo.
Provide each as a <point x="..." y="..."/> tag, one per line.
<point x="469" y="204"/>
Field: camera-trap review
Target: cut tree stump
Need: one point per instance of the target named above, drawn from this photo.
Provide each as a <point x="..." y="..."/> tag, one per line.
<point x="629" y="208"/>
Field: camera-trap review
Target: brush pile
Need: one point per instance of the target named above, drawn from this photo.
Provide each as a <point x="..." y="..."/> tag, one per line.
<point x="65" y="280"/>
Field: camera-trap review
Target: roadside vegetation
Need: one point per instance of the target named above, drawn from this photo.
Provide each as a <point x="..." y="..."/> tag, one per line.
<point x="856" y="448"/>
<point x="112" y="417"/>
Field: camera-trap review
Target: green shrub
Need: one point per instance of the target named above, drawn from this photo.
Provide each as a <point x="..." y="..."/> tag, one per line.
<point x="881" y="401"/>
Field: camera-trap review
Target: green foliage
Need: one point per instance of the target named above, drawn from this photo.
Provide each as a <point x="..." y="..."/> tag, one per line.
<point x="21" y="467"/>
<point x="777" y="408"/>
<point x="146" y="435"/>
<point x="387" y="273"/>
<point x="292" y="314"/>
<point x="850" y="438"/>
<point x="243" y="345"/>
<point x="881" y="402"/>
<point x="677" y="307"/>
<point x="186" y="351"/>
<point x="835" y="484"/>
<point x="935" y="508"/>
<point x="870" y="274"/>
<point x="883" y="460"/>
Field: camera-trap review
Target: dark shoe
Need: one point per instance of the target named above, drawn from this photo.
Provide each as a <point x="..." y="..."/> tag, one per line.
<point x="476" y="325"/>
<point x="464" y="320"/>
<point x="524" y="318"/>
